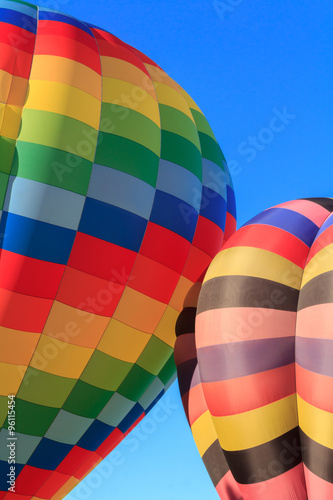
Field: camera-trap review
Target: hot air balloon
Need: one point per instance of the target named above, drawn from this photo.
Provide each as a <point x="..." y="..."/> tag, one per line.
<point x="114" y="196"/>
<point x="193" y="399"/>
<point x="195" y="406"/>
<point x="263" y="343"/>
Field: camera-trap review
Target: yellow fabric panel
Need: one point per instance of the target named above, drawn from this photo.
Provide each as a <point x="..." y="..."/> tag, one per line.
<point x="171" y="97"/>
<point x="258" y="426"/>
<point x="320" y="263"/>
<point x="255" y="262"/>
<point x="123" y="342"/>
<point x="64" y="100"/>
<point x="17" y="347"/>
<point x="67" y="324"/>
<point x="118" y="69"/>
<point x="191" y="104"/>
<point x="11" y="377"/>
<point x="60" y="358"/>
<point x="132" y="97"/>
<point x="316" y="423"/>
<point x="204" y="432"/>
<point x="159" y="76"/>
<point x="132" y="310"/>
<point x="66" y="71"/>
<point x="11" y="120"/>
<point x="5" y="82"/>
<point x="177" y="299"/>
<point x="165" y="330"/>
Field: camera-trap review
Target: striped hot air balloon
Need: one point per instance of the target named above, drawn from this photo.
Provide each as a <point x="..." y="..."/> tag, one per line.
<point x="194" y="402"/>
<point x="193" y="398"/>
<point x="114" y="199"/>
<point x="263" y="343"/>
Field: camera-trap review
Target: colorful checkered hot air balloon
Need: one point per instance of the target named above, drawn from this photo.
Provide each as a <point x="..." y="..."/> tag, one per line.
<point x="115" y="196"/>
<point x="263" y="345"/>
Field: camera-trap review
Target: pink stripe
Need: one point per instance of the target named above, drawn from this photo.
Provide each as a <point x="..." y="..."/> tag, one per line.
<point x="314" y="388"/>
<point x="318" y="489"/>
<point x="315" y="322"/>
<point x="309" y="209"/>
<point x="236" y="324"/>
<point x="287" y="486"/>
<point x="228" y="489"/>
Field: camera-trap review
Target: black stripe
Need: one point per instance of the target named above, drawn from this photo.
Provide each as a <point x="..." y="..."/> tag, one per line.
<point x="323" y="202"/>
<point x="185" y="375"/>
<point x="215" y="462"/>
<point x="246" y="291"/>
<point x="267" y="460"/>
<point x="317" y="458"/>
<point x="186" y="321"/>
<point x="319" y="290"/>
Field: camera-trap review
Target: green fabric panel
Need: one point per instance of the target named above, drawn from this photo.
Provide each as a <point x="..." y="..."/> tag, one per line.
<point x="58" y="131"/>
<point x="105" y="372"/>
<point x="7" y="150"/>
<point x="129" y="157"/>
<point x="133" y="126"/>
<point x="52" y="166"/>
<point x="44" y="388"/>
<point x="202" y="123"/>
<point x="86" y="400"/>
<point x="173" y="120"/>
<point x="155" y="355"/>
<point x="136" y="383"/>
<point x="68" y="428"/>
<point x="182" y="152"/>
<point x="35" y="419"/>
<point x="211" y="150"/>
<point x="168" y="370"/>
<point x="3" y="188"/>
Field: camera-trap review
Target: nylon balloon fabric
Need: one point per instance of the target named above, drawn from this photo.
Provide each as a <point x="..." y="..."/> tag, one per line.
<point x="115" y="196"/>
<point x="193" y="399"/>
<point x="264" y="348"/>
<point x="195" y="406"/>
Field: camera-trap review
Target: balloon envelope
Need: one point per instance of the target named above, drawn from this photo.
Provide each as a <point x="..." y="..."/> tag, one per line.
<point x="114" y="196"/>
<point x="264" y="349"/>
<point x="194" y="402"/>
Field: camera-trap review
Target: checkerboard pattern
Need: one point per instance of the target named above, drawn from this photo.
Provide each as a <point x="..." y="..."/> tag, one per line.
<point x="114" y="197"/>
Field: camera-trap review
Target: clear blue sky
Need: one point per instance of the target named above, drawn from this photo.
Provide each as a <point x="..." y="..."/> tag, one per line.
<point x="245" y="62"/>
